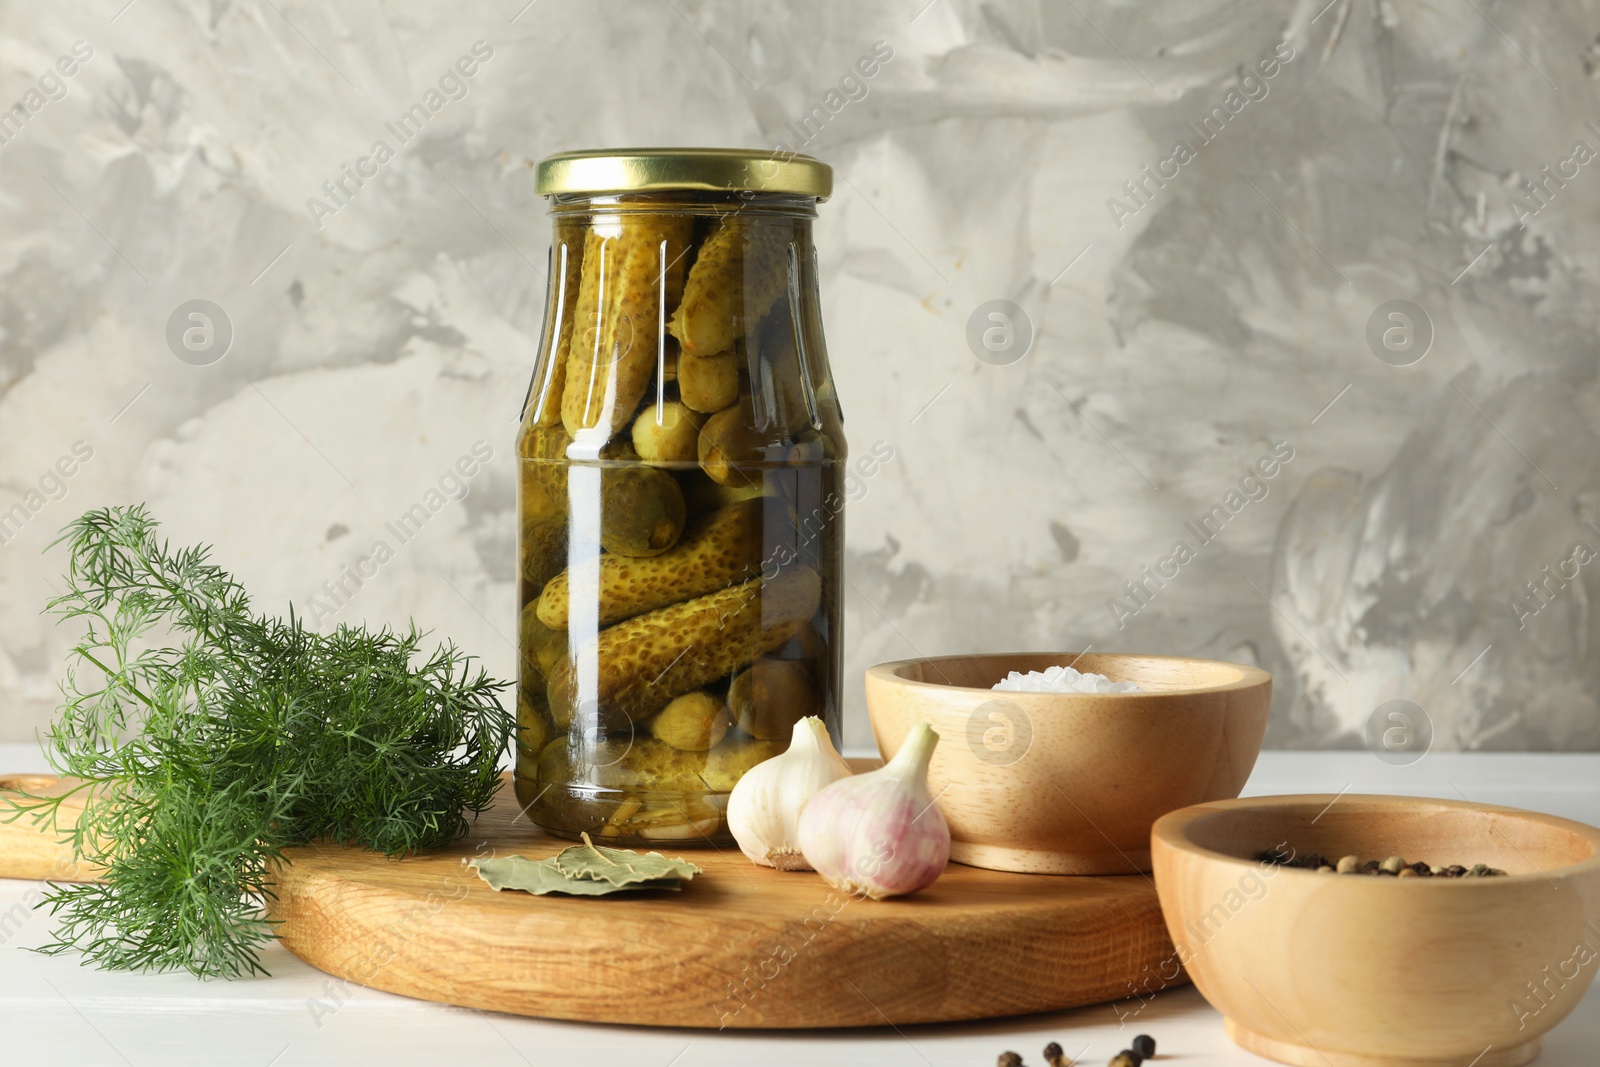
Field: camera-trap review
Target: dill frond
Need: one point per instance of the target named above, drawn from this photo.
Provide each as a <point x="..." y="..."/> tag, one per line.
<point x="210" y="738"/>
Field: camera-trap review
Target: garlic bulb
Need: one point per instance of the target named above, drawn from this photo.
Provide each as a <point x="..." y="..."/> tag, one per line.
<point x="764" y="808"/>
<point x="879" y="834"/>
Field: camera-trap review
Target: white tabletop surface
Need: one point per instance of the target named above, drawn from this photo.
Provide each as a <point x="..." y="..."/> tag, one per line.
<point x="52" y="1011"/>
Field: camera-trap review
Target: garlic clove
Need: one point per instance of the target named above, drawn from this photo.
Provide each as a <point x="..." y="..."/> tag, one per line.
<point x="764" y="807"/>
<point x="880" y="834"/>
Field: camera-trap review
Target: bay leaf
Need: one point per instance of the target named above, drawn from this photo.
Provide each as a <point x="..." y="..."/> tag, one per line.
<point x="585" y="870"/>
<point x="620" y="866"/>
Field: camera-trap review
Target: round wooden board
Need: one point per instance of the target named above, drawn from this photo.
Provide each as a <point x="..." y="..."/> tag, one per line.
<point x="741" y="946"/>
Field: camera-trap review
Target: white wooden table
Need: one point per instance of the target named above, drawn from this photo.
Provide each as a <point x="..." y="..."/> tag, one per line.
<point x="53" y="1011"/>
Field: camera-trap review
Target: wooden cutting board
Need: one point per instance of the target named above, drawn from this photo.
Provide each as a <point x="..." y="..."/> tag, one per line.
<point x="739" y="947"/>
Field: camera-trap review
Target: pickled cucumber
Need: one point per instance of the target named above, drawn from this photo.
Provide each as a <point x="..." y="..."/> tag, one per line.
<point x="716" y="551"/>
<point x="543" y="482"/>
<point x="641" y="511"/>
<point x="733" y="448"/>
<point x="739" y="274"/>
<point x="694" y="722"/>
<point x="709" y="383"/>
<point x="667" y="432"/>
<point x="542" y="553"/>
<point x="770" y="696"/>
<point x="650" y="764"/>
<point x="542" y="647"/>
<point x="647" y="660"/>
<point x="527" y="771"/>
<point x="687" y="827"/>
<point x="641" y="507"/>
<point x="533" y="730"/>
<point x="631" y="262"/>
<point x="664" y="818"/>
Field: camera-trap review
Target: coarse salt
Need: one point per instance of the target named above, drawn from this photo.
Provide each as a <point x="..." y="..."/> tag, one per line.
<point x="1062" y="680"/>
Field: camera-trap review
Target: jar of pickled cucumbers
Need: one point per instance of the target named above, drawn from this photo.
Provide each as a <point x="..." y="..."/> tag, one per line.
<point x="681" y="518"/>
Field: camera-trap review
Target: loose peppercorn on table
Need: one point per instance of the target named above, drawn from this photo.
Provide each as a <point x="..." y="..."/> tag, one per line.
<point x="58" y="1012"/>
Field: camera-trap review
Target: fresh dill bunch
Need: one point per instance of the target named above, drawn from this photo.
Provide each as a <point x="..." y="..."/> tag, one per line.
<point x="209" y="739"/>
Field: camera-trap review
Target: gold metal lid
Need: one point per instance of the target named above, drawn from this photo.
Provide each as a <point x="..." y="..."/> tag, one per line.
<point x="632" y="170"/>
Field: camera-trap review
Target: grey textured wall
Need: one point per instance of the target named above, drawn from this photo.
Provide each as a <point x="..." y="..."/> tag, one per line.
<point x="1203" y="211"/>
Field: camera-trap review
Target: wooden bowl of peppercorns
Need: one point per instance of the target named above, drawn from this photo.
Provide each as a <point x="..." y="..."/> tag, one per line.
<point x="1367" y="931"/>
<point x="1070" y="782"/>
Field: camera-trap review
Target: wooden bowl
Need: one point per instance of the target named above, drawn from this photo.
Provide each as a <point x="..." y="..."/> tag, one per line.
<point x="1329" y="970"/>
<point x="1070" y="783"/>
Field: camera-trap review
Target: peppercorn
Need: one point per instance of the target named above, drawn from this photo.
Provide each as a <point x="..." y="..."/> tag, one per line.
<point x="1054" y="1056"/>
<point x="1144" y="1044"/>
<point x="1009" y="1059"/>
<point x="1393" y="866"/>
<point x="1126" y="1058"/>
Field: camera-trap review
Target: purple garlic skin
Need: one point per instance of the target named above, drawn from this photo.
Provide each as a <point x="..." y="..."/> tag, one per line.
<point x="880" y="834"/>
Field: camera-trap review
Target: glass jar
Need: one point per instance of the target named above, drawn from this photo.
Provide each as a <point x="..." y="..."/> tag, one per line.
<point x="680" y="515"/>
